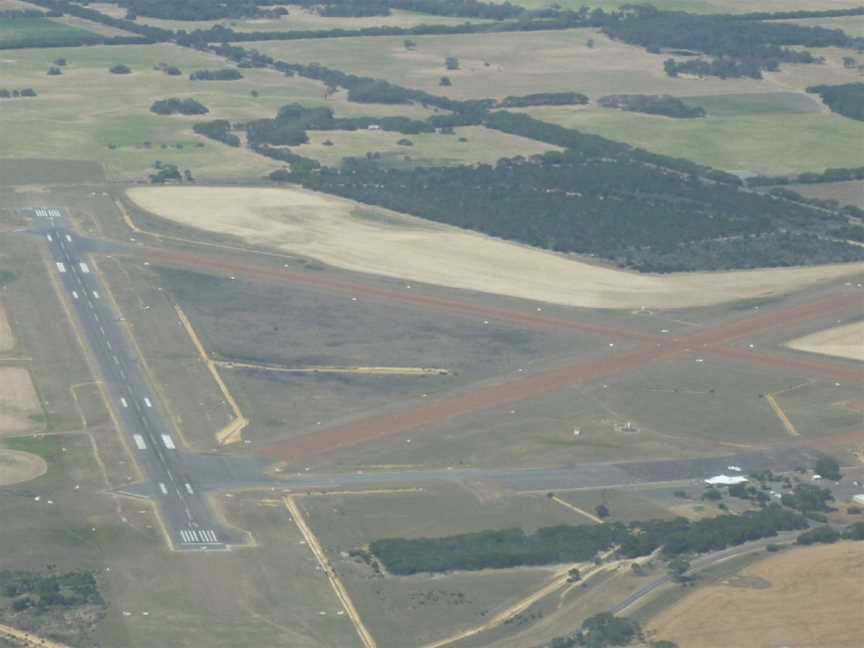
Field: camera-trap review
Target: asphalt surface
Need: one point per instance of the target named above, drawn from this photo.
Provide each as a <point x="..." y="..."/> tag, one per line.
<point x="184" y="509"/>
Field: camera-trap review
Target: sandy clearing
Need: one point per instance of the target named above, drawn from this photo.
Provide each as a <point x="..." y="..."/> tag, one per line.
<point x="18" y="400"/>
<point x="17" y="466"/>
<point x="364" y="239"/>
<point x="803" y="597"/>
<point x="7" y="340"/>
<point x="845" y="341"/>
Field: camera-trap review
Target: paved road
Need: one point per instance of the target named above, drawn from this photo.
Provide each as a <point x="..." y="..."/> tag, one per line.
<point x="183" y="508"/>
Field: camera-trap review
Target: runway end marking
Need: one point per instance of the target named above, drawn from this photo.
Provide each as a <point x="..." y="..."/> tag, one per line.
<point x="787" y="424"/>
<point x="233" y="432"/>
<point x="335" y="581"/>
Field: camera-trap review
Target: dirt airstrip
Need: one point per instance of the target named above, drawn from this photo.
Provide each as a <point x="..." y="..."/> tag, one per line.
<point x="804" y="597"/>
<point x="845" y="341"/>
<point x="347" y="235"/>
<point x="18" y="400"/>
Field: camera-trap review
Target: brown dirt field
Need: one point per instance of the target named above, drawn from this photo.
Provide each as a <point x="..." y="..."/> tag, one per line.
<point x="7" y="340"/>
<point x="811" y="597"/>
<point x="841" y="341"/>
<point x="18" y="400"/>
<point x="533" y="386"/>
<point x="347" y="235"/>
<point x="17" y="467"/>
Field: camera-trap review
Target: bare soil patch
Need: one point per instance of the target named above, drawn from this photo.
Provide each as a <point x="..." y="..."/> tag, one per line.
<point x="17" y="466"/>
<point x="845" y="341"/>
<point x="18" y="400"/>
<point x="7" y="339"/>
<point x="812" y="598"/>
<point x="344" y="234"/>
<point x="347" y="235"/>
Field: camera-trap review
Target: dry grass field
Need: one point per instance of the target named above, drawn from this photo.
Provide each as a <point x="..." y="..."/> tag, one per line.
<point x="339" y="233"/>
<point x="18" y="400"/>
<point x="848" y="193"/>
<point x="700" y="6"/>
<point x="560" y="61"/>
<point x="7" y="338"/>
<point x="803" y="597"/>
<point x="298" y="19"/>
<point x="481" y="145"/>
<point x="17" y="467"/>
<point x="842" y="341"/>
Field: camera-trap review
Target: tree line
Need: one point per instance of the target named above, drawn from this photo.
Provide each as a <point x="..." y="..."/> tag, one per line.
<point x="201" y="9"/>
<point x="5" y="93"/>
<point x="562" y="544"/>
<point x="808" y="177"/>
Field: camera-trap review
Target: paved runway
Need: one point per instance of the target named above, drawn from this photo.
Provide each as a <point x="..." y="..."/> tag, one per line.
<point x="172" y="484"/>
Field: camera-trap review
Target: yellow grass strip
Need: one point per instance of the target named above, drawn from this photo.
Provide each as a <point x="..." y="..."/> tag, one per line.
<point x="775" y="406"/>
<point x="335" y="581"/>
<point x="233" y="432"/>
<point x="588" y="515"/>
<point x="28" y="638"/>
<point x="375" y="491"/>
<point x="372" y="371"/>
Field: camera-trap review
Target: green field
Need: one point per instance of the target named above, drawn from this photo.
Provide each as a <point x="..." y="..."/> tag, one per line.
<point x="756" y="104"/>
<point x="760" y="143"/>
<point x="22" y="31"/>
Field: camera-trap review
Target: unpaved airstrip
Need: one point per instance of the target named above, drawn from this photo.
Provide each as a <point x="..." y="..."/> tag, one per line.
<point x="359" y="238"/>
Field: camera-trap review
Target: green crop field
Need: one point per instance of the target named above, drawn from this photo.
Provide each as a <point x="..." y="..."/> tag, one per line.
<point x="21" y="31"/>
<point x="756" y="104"/>
<point x="760" y="143"/>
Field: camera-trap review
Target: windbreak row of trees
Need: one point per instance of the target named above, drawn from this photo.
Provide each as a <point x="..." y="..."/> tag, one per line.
<point x="829" y="175"/>
<point x="563" y="544"/>
<point x="202" y="9"/>
<point x="665" y="105"/>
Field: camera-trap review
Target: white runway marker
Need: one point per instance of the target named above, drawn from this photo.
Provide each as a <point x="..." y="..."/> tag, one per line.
<point x="139" y="441"/>
<point x="61" y="267"/>
<point x="147" y="402"/>
<point x="123" y="402"/>
<point x="68" y="238"/>
<point x="163" y="489"/>
<point x="95" y="294"/>
<point x="84" y="268"/>
<point x="75" y="294"/>
<point x="48" y="236"/>
<point x="189" y="489"/>
<point x="168" y="441"/>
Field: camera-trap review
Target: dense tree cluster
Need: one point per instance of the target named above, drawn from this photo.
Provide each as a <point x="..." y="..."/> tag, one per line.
<point x="227" y="74"/>
<point x="738" y="47"/>
<point x="846" y="100"/>
<point x="561" y="544"/>
<point x="544" y="99"/>
<point x="178" y="106"/>
<point x="43" y="591"/>
<point x="12" y="14"/>
<point x="15" y="93"/>
<point x="170" y="70"/>
<point x="218" y="129"/>
<point x="808" y="498"/>
<point x="653" y="105"/>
